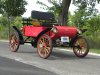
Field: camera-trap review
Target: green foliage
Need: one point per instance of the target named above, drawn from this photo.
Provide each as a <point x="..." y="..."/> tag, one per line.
<point x="14" y="7"/>
<point x="86" y="10"/>
<point x="94" y="25"/>
<point x="1" y="7"/>
<point x="95" y="51"/>
<point x="88" y="5"/>
<point x="10" y="9"/>
<point x="18" y="22"/>
<point x="71" y="19"/>
<point x="3" y="32"/>
<point x="3" y="21"/>
<point x="79" y="19"/>
<point x="94" y="42"/>
<point x="4" y="26"/>
<point x="59" y="8"/>
<point x="93" y="33"/>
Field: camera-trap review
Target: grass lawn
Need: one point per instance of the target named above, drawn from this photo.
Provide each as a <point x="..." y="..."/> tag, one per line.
<point x="95" y="51"/>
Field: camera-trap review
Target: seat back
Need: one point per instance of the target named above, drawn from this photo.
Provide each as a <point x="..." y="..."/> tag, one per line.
<point x="46" y="18"/>
<point x="42" y="15"/>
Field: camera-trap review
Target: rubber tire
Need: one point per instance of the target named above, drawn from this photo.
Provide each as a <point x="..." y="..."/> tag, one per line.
<point x="17" y="36"/>
<point x="87" y="50"/>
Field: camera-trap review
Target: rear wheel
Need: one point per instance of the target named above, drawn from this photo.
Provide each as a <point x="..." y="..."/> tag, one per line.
<point x="44" y="46"/>
<point x="81" y="47"/>
<point x="14" y="42"/>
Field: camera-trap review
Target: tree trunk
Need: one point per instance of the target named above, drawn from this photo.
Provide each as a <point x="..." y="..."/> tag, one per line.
<point x="63" y="18"/>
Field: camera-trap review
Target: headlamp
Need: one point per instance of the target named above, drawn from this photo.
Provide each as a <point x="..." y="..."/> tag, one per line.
<point x="79" y="31"/>
<point x="54" y="30"/>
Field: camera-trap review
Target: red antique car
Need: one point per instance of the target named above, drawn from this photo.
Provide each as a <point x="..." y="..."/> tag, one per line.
<point x="48" y="35"/>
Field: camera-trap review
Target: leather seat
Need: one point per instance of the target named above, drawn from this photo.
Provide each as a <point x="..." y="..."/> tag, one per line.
<point x="46" y="17"/>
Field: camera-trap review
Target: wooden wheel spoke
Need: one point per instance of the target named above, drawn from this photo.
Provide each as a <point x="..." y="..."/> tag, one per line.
<point x="47" y="49"/>
<point x="77" y="50"/>
<point x="40" y="42"/>
<point x="81" y="47"/>
<point x="43" y="40"/>
<point x="14" y="43"/>
<point x="11" y="44"/>
<point x="44" y="51"/>
<point x="80" y="51"/>
<point x="41" y="49"/>
<point x="46" y="46"/>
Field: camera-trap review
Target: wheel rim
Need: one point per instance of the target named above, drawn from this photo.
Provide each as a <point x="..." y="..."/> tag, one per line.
<point x="44" y="47"/>
<point x="81" y="47"/>
<point x="14" y="43"/>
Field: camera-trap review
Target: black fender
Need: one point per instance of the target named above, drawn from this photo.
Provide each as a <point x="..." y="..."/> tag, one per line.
<point x="43" y="32"/>
<point x="21" y="39"/>
<point x="73" y="40"/>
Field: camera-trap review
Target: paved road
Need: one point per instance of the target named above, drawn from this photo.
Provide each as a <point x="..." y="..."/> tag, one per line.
<point x="60" y="62"/>
<point x="11" y="67"/>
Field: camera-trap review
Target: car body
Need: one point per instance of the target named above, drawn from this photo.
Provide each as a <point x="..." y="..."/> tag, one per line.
<point x="47" y="35"/>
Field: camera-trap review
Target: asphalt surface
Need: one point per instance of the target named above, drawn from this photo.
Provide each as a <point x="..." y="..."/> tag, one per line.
<point x="11" y="67"/>
<point x="60" y="62"/>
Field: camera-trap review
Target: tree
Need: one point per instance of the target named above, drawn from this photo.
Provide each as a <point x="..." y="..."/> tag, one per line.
<point x="87" y="5"/>
<point x="64" y="7"/>
<point x="55" y="9"/>
<point x="1" y="6"/>
<point x="63" y="15"/>
<point x="86" y="10"/>
<point x="3" y="21"/>
<point x="18" y="22"/>
<point x="94" y="25"/>
<point x="59" y="8"/>
<point x="15" y="7"/>
<point x="63" y="18"/>
<point x="80" y="17"/>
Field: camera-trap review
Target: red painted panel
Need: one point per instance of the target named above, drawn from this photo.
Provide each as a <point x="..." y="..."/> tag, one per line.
<point x="65" y="31"/>
<point x="33" y="31"/>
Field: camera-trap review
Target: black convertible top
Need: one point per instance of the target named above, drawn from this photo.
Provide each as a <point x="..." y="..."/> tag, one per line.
<point x="42" y="15"/>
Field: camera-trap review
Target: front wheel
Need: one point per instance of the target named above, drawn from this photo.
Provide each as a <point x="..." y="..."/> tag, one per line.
<point x="44" y="46"/>
<point x="81" y="47"/>
<point x="14" y="42"/>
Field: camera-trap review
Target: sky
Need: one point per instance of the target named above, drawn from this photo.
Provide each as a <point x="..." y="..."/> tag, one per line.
<point x="33" y="6"/>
